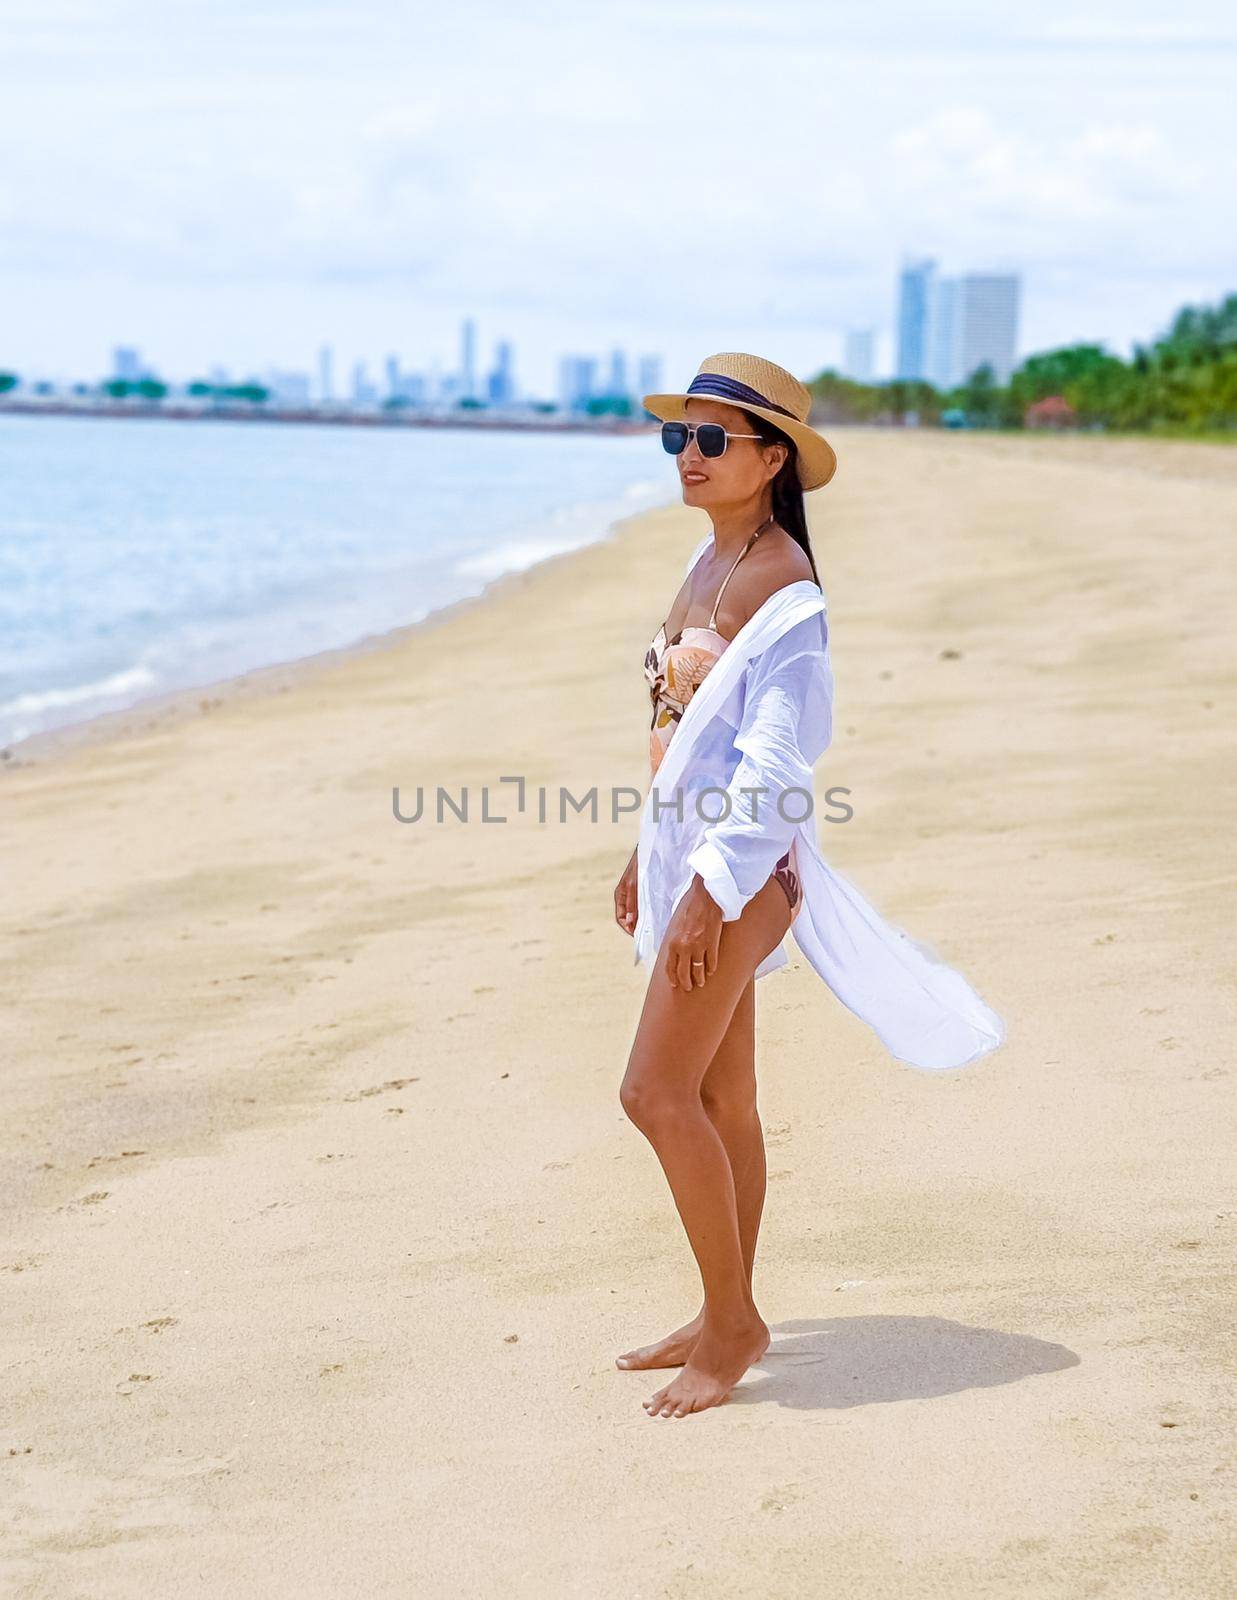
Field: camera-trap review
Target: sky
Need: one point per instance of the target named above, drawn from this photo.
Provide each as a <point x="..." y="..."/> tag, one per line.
<point x="239" y="183"/>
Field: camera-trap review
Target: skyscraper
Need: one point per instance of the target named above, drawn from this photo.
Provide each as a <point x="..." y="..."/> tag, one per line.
<point x="648" y="376"/>
<point x="987" y="317"/>
<point x="915" y="293"/>
<point x="947" y="327"/>
<point x="942" y="358"/>
<point x="364" y="393"/>
<point x="860" y="358"/>
<point x="468" y="359"/>
<point x="501" y="382"/>
<point x="326" y="382"/>
<point x="127" y="364"/>
<point x="287" y="388"/>
<point x="577" y="381"/>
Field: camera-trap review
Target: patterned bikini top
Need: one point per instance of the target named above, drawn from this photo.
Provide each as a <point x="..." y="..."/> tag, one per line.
<point x="676" y="669"/>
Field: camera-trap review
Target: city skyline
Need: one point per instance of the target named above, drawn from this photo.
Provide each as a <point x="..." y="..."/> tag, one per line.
<point x="940" y="331"/>
<point x="241" y="188"/>
<point x="948" y="327"/>
<point x="584" y="379"/>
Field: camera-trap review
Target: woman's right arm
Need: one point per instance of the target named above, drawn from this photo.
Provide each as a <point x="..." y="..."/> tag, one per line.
<point x="787" y="724"/>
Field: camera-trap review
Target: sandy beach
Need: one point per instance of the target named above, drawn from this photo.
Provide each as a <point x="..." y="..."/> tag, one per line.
<point x="323" y="1223"/>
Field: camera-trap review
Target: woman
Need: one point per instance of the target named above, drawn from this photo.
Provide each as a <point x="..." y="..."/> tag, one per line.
<point x="742" y="709"/>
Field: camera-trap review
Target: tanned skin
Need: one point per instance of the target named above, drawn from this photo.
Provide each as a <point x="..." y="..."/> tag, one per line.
<point x="690" y="1084"/>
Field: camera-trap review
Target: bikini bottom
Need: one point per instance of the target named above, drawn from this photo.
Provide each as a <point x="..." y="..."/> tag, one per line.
<point x="786" y="875"/>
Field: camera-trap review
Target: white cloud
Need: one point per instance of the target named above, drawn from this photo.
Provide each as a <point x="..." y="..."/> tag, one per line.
<point x="667" y="172"/>
<point x="1110" y="183"/>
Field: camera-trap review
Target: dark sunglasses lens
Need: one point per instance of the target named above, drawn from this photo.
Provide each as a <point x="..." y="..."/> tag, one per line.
<point x="674" y="437"/>
<point x="711" y="437"/>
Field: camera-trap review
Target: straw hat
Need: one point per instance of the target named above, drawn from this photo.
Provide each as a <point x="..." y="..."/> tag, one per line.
<point x="764" y="390"/>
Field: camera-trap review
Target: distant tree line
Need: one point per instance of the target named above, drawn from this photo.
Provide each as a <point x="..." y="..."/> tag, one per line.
<point x="1185" y="382"/>
<point x="150" y="389"/>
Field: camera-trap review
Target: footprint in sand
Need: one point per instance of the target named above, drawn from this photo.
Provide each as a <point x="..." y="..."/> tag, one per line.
<point x="91" y="1199"/>
<point x="27" y="1264"/>
<point x="381" y="1088"/>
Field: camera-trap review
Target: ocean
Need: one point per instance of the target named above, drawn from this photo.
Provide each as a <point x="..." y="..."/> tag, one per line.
<point x="141" y="556"/>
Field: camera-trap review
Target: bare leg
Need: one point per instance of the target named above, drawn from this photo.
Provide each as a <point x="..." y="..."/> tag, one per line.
<point x="729" y="1096"/>
<point x="678" y="1036"/>
<point x="728" y="1093"/>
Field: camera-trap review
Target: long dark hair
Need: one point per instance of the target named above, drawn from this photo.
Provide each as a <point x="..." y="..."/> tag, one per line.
<point x="787" y="490"/>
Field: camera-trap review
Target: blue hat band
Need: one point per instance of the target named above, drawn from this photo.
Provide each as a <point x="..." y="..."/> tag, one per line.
<point x="723" y="388"/>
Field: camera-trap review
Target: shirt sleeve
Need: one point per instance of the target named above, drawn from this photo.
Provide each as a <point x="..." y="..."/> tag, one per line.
<point x="786" y="725"/>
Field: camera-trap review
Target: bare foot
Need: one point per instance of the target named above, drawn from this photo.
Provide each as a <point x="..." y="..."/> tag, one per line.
<point x="717" y="1361"/>
<point x="672" y="1351"/>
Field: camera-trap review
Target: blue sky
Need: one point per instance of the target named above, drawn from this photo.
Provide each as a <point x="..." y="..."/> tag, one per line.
<point x="241" y="182"/>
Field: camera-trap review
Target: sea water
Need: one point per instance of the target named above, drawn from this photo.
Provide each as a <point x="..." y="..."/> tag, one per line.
<point x="140" y="555"/>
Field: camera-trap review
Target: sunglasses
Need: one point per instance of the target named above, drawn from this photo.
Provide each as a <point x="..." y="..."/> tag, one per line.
<point x="711" y="437"/>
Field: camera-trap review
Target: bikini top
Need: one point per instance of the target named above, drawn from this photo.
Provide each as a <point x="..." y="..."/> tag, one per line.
<point x="675" y="669"/>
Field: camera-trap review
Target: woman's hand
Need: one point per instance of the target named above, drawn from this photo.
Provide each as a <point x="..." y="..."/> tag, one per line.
<point x="626" y="902"/>
<point x="693" y="937"/>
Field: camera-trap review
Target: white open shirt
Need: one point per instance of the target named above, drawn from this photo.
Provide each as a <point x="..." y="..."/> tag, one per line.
<point x="761" y="718"/>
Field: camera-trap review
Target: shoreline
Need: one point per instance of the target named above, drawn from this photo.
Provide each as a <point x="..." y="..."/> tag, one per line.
<point x="1187" y="458"/>
<point x="310" y="416"/>
<point x="170" y="707"/>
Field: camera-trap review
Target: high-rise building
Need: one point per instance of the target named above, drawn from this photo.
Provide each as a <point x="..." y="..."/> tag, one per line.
<point x="412" y="388"/>
<point x="648" y="376"/>
<point x="127" y="364"/>
<point x="915" y="289"/>
<point x="948" y="327"/>
<point x="577" y="382"/>
<point x="941" y="365"/>
<point x="500" y="385"/>
<point x="617" y="384"/>
<point x="468" y="360"/>
<point x="402" y="385"/>
<point x="860" y="359"/>
<point x="326" y="380"/>
<point x="364" y="393"/>
<point x="987" y="323"/>
<point x="287" y="388"/>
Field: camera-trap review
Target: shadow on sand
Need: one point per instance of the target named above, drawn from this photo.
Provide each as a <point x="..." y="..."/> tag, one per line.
<point x="833" y="1363"/>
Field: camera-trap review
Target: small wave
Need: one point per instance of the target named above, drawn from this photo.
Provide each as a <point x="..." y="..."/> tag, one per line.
<point x="513" y="556"/>
<point x="589" y="521"/>
<point x="35" y="702"/>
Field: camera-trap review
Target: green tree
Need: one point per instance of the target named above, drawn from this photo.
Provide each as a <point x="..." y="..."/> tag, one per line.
<point x="980" y="397"/>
